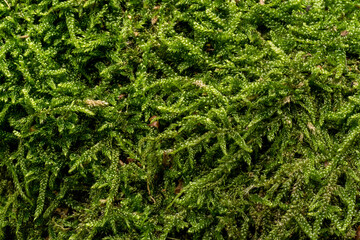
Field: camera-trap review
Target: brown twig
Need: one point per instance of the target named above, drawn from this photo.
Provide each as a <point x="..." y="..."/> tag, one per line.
<point x="148" y="188"/>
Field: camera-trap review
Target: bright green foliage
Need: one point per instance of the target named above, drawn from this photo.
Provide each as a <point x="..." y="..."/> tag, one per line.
<point x="179" y="119"/>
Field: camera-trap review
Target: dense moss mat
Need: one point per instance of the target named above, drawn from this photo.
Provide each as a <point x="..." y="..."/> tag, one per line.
<point x="179" y="119"/>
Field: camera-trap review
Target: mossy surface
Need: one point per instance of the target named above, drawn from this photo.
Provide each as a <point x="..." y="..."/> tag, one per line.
<point x="181" y="119"/>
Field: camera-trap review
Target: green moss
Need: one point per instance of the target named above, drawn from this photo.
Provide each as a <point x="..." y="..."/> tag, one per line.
<point x="179" y="119"/>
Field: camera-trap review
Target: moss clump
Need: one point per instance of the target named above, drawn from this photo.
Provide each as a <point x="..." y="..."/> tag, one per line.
<point x="179" y="119"/>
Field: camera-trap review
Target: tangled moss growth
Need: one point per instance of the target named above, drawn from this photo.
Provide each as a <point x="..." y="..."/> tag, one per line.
<point x="180" y="119"/>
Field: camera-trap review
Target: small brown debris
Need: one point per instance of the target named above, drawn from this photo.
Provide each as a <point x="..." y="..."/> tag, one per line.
<point x="308" y="7"/>
<point x="166" y="159"/>
<point x="149" y="192"/>
<point x="136" y="34"/>
<point x="209" y="47"/>
<point x="156" y="7"/>
<point x="357" y="237"/>
<point x="286" y="100"/>
<point x="96" y="103"/>
<point x="200" y="83"/>
<point x="154" y="20"/>
<point x="179" y="187"/>
<point x="32" y="129"/>
<point x="103" y="201"/>
<point x="320" y="67"/>
<point x="153" y="124"/>
<point x="122" y="163"/>
<point x="130" y="160"/>
<point x="62" y="212"/>
<point x="301" y="137"/>
<point x="262" y="2"/>
<point x="326" y="164"/>
<point x="300" y="85"/>
<point x="344" y="33"/>
<point x="307" y="55"/>
<point x="24" y="36"/>
<point x="121" y="96"/>
<point x="311" y="127"/>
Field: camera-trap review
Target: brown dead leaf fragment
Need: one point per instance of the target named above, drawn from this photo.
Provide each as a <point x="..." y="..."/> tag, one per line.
<point x="179" y="187"/>
<point x="62" y="212"/>
<point x="154" y="20"/>
<point x="262" y="2"/>
<point x="286" y="100"/>
<point x="24" y="36"/>
<point x="156" y="7"/>
<point x="166" y="159"/>
<point x="153" y="124"/>
<point x="344" y="33"/>
<point x="357" y="237"/>
<point x="136" y="34"/>
<point x="32" y="129"/>
<point x="121" y="96"/>
<point x="130" y="160"/>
